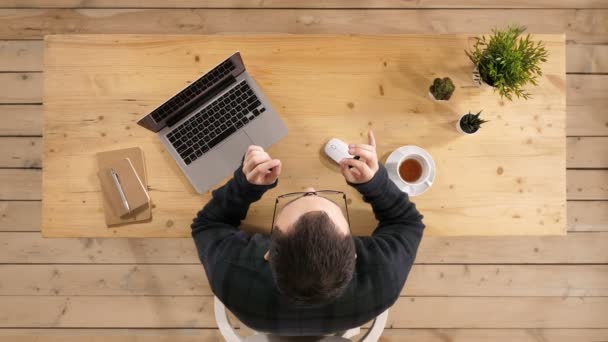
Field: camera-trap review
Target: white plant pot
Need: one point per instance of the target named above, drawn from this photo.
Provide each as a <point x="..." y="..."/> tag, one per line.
<point x="459" y="129"/>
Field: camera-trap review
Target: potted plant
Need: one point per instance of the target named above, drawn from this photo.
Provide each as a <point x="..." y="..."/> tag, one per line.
<point x="442" y="89"/>
<point x="469" y="123"/>
<point x="507" y="61"/>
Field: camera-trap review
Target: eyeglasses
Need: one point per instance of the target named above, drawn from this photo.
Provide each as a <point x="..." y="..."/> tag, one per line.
<point x="327" y="194"/>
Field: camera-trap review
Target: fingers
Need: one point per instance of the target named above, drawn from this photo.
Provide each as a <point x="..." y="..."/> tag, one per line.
<point x="347" y="172"/>
<point x="351" y="174"/>
<point x="264" y="167"/>
<point x="367" y="155"/>
<point x="366" y="147"/>
<point x="254" y="148"/>
<point x="354" y="163"/>
<point x="371" y="138"/>
<point x="275" y="172"/>
<point x="360" y="166"/>
<point x="253" y="159"/>
<point x="251" y="150"/>
<point x="355" y="172"/>
<point x="261" y="170"/>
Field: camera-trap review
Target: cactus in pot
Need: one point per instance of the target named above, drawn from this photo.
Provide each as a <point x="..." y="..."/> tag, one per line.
<point x="442" y="89"/>
<point x="469" y="123"/>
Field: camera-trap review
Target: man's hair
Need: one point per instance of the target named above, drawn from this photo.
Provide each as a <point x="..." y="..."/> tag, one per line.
<point x="313" y="262"/>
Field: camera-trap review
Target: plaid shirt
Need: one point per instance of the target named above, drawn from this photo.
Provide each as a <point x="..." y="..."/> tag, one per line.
<point x="241" y="278"/>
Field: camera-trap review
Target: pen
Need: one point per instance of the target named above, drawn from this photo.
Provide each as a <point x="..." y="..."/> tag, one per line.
<point x="119" y="187"/>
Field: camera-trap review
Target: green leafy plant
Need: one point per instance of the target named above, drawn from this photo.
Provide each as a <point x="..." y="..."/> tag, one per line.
<point x="442" y="88"/>
<point x="507" y="61"/>
<point x="470" y="122"/>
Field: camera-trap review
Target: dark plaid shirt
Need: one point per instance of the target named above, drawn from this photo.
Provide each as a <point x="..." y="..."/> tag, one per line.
<point x="241" y="278"/>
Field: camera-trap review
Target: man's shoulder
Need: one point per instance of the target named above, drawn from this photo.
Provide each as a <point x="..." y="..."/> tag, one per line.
<point x="243" y="250"/>
<point x="240" y="281"/>
<point x="376" y="252"/>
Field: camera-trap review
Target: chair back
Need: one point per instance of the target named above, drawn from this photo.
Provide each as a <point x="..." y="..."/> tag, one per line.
<point x="230" y="335"/>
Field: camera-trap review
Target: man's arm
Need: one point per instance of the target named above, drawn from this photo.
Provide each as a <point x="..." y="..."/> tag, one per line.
<point x="396" y="239"/>
<point x="397" y="215"/>
<point x="219" y="219"/>
<point x="222" y="215"/>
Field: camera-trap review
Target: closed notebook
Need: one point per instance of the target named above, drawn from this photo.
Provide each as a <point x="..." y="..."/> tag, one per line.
<point x="123" y="187"/>
<point x="127" y="159"/>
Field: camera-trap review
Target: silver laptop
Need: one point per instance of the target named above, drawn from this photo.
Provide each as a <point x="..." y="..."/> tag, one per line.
<point x="207" y="126"/>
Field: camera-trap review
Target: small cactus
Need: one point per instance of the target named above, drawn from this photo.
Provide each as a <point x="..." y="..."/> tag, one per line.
<point x="442" y="89"/>
<point x="470" y="122"/>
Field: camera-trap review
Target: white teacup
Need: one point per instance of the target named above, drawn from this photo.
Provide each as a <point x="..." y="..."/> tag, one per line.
<point x="427" y="169"/>
<point x="425" y="164"/>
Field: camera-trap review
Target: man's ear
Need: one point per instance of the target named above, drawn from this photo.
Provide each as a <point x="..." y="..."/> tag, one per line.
<point x="267" y="256"/>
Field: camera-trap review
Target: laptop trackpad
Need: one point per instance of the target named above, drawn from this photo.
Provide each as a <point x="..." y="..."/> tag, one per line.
<point x="233" y="150"/>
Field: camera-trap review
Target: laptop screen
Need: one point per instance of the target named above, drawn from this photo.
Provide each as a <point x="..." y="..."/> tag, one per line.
<point x="157" y="119"/>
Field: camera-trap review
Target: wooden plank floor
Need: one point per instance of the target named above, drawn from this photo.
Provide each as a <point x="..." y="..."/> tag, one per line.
<point x="461" y="289"/>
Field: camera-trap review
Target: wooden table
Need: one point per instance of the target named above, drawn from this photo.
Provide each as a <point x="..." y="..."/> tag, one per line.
<point x="509" y="179"/>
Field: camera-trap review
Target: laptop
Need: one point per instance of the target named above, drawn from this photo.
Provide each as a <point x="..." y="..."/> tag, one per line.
<point x="207" y="126"/>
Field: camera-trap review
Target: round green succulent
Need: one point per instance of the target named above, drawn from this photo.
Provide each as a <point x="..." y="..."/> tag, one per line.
<point x="442" y="88"/>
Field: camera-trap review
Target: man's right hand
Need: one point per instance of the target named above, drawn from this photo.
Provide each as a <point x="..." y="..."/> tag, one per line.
<point x="364" y="169"/>
<point x="259" y="168"/>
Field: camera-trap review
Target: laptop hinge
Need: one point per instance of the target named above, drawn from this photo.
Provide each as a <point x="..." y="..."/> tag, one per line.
<point x="199" y="100"/>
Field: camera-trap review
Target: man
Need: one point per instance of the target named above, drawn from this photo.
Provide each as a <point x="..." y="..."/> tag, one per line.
<point x="310" y="276"/>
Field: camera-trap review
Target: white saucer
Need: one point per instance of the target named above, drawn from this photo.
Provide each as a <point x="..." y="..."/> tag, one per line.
<point x="392" y="164"/>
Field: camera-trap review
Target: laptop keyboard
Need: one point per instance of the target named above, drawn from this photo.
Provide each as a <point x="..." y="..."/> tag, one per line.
<point x="198" y="87"/>
<point x="216" y="122"/>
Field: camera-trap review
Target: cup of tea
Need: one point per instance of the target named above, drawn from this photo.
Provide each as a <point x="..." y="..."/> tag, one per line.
<point x="414" y="169"/>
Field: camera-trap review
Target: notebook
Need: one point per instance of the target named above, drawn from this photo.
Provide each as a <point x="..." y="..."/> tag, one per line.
<point x="123" y="187"/>
<point x="130" y="169"/>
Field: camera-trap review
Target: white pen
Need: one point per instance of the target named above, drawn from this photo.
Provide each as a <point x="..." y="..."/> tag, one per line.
<point x="119" y="187"/>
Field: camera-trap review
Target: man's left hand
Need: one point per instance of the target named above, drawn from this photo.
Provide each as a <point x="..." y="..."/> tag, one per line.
<point x="361" y="170"/>
<point x="259" y="168"/>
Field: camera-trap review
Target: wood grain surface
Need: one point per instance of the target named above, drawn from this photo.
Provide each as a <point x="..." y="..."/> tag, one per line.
<point x="575" y="248"/>
<point x="26" y="55"/>
<point x="20" y="88"/>
<point x="197" y="312"/>
<point x="329" y="4"/>
<point x="108" y="82"/>
<point x="20" y="55"/>
<point x="587" y="152"/>
<point x="587" y="215"/>
<point x="28" y="180"/>
<point x="582" y="26"/>
<point x="21" y="120"/>
<point x="424" y="280"/>
<point x="389" y="335"/>
<point x="556" y="271"/>
<point x="586" y="100"/>
<point x="20" y="152"/>
<point x="20" y="215"/>
<point x="587" y="184"/>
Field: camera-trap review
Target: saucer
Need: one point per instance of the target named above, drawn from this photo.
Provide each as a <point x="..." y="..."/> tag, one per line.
<point x="392" y="163"/>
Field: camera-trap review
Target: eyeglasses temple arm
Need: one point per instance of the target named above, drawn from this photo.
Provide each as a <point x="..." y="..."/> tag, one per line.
<point x="274" y="212"/>
<point x="347" y="215"/>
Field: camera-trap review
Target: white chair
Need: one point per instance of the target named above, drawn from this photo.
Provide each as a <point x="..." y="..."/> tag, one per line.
<point x="230" y="335"/>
